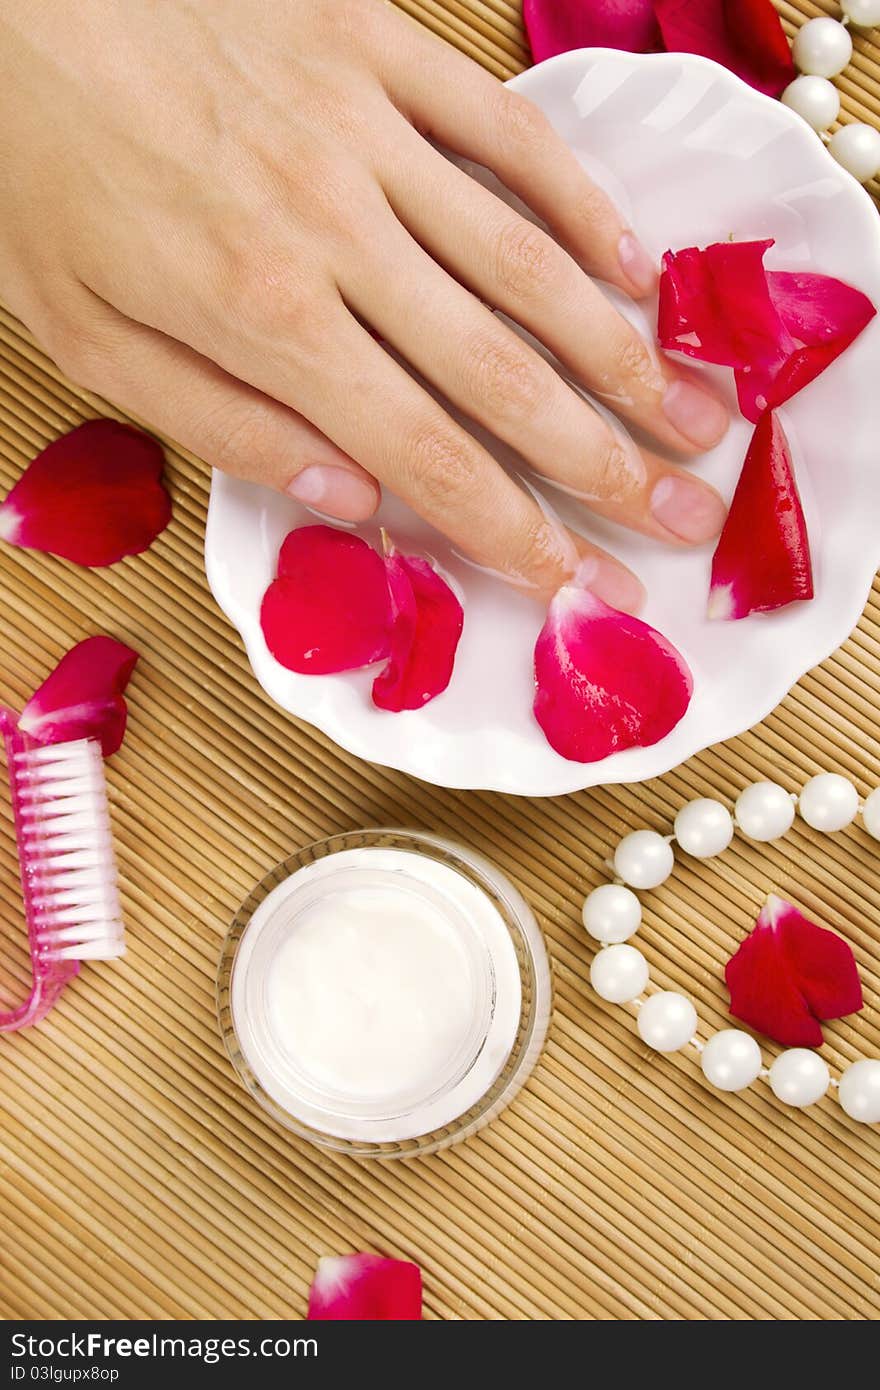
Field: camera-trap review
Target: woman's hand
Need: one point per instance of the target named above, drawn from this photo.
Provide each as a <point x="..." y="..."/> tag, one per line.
<point x="207" y="205"/>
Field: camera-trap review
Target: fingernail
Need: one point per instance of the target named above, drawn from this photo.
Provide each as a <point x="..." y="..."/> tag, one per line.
<point x="696" y="414"/>
<point x="636" y="264"/>
<point x="335" y="491"/>
<point x="691" y="510"/>
<point x="612" y="582"/>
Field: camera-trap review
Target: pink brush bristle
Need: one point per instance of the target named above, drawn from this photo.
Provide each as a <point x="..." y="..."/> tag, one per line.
<point x="68" y="874"/>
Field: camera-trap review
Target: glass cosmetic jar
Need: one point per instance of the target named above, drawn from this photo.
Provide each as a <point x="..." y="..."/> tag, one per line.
<point x="384" y="993"/>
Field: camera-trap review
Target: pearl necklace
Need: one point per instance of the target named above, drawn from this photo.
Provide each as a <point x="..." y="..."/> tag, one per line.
<point x="667" y="1021"/>
<point x="822" y="48"/>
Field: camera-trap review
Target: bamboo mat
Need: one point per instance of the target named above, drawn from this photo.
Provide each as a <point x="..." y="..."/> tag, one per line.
<point x="138" y="1180"/>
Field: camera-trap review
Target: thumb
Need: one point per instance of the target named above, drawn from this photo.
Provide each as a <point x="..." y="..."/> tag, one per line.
<point x="229" y="424"/>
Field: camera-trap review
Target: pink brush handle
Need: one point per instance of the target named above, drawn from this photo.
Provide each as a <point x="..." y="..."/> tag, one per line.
<point x="50" y="976"/>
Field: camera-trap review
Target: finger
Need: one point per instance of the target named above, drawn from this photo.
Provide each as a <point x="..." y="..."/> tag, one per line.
<point x="486" y="370"/>
<point x="333" y="372"/>
<point x="227" y="423"/>
<point x="450" y="98"/>
<point x="519" y="269"/>
<point x="372" y="408"/>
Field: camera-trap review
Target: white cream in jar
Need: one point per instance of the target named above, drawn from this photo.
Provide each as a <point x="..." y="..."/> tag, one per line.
<point x="376" y="992"/>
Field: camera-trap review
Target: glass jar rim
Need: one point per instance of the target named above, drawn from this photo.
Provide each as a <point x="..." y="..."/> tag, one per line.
<point x="534" y="1002"/>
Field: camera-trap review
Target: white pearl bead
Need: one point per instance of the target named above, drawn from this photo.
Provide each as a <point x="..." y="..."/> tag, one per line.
<point x="857" y="148"/>
<point x="815" y="99"/>
<point x="871" y="814"/>
<point x="799" y="1077"/>
<point x="667" y="1021"/>
<point x="859" y="1091"/>
<point x="731" y="1060"/>
<point x="764" y="811"/>
<point x="619" y="974"/>
<point x="643" y="859"/>
<point x="822" y="47"/>
<point x="829" y="802"/>
<point x="612" y="913"/>
<point x="864" y="14"/>
<point x="704" y="828"/>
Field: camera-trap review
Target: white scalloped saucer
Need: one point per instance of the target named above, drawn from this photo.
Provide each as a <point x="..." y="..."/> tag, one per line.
<point x="692" y="155"/>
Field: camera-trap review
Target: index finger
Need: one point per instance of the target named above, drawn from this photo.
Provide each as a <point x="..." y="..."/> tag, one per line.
<point x="451" y="99"/>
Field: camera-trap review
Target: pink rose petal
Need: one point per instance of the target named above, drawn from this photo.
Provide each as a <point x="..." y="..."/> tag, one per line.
<point x="558" y="26"/>
<point x="329" y="609"/>
<point x="83" y="697"/>
<point x="427" y="620"/>
<point x="745" y="36"/>
<point x="820" y="317"/>
<point x="365" y="1288"/>
<point x="789" y="974"/>
<point x="92" y="496"/>
<point x="605" y="681"/>
<point x="762" y="560"/>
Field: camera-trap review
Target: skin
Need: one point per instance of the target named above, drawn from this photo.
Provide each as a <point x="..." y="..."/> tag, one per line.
<point x="211" y="210"/>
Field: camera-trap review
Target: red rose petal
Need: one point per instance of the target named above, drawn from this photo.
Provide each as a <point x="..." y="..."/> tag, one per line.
<point x="778" y="329"/>
<point x="558" y="26"/>
<point x="365" y="1288"/>
<point x="82" y="698"/>
<point x="427" y="620"/>
<point x="790" y="973"/>
<point x="757" y="34"/>
<point x="745" y="36"/>
<point x="605" y="681"/>
<point x="764" y="995"/>
<point x="762" y="560"/>
<point x="715" y="304"/>
<point x="329" y="608"/>
<point x="820" y="317"/>
<point x="92" y="496"/>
